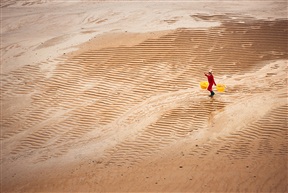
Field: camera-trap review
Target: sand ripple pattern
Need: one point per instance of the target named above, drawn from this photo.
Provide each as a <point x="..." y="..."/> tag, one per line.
<point x="87" y="94"/>
<point x="266" y="136"/>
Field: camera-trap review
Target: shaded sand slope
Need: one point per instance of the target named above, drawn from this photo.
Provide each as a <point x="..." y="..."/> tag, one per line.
<point x="133" y="118"/>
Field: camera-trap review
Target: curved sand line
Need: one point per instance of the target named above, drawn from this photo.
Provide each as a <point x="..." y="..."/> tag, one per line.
<point x="105" y="111"/>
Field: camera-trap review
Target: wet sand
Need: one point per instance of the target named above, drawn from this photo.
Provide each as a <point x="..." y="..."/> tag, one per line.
<point x="109" y="105"/>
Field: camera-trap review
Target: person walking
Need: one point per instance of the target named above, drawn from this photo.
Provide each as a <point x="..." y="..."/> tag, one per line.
<point x="211" y="81"/>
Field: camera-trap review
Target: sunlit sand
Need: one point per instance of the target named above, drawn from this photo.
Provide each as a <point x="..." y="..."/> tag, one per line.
<point x="105" y="96"/>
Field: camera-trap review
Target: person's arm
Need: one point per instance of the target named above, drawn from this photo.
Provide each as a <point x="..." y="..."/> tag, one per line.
<point x="205" y="74"/>
<point x="214" y="82"/>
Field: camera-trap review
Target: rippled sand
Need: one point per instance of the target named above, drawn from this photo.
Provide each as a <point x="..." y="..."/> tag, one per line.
<point x="96" y="105"/>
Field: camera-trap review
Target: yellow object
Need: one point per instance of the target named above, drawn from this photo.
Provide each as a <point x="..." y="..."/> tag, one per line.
<point x="204" y="84"/>
<point x="220" y="87"/>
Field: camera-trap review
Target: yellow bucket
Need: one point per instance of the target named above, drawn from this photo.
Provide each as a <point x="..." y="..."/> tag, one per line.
<point x="204" y="84"/>
<point x="220" y="87"/>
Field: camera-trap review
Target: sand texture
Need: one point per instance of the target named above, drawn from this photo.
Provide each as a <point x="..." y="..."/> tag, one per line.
<point x="102" y="96"/>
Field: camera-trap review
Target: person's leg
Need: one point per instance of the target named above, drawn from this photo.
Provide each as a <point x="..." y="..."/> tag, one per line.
<point x="212" y="93"/>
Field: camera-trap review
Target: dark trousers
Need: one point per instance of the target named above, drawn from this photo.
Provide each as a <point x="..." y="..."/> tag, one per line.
<point x="212" y="93"/>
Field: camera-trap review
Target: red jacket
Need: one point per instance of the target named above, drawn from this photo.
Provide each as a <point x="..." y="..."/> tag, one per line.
<point x="211" y="81"/>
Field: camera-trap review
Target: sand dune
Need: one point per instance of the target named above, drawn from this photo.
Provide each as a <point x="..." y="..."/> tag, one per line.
<point x="124" y="112"/>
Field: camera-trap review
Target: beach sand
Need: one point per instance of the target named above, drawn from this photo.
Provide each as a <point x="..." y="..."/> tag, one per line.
<point x="104" y="96"/>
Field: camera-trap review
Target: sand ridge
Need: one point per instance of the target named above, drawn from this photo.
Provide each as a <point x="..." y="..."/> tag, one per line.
<point x="125" y="112"/>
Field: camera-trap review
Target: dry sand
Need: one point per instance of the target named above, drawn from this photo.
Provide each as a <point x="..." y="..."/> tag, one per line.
<point x="104" y="96"/>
